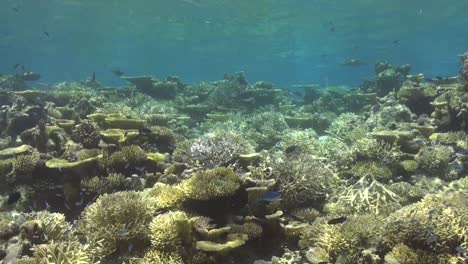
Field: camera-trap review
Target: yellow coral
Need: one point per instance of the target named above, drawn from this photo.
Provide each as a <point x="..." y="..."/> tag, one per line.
<point x="63" y="253"/>
<point x="163" y="196"/>
<point x="120" y="216"/>
<point x="170" y="231"/>
<point x="54" y="226"/>
<point x="211" y="184"/>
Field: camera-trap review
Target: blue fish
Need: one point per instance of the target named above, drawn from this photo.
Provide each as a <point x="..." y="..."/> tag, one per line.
<point x="431" y="239"/>
<point x="462" y="151"/>
<point x="269" y="197"/>
<point x="457" y="167"/>
<point x="460" y="250"/>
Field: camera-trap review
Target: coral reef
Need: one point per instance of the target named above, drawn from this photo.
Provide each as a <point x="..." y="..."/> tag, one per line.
<point x="235" y="172"/>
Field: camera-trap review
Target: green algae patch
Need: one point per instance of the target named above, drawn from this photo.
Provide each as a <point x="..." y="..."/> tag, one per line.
<point x="124" y="123"/>
<point x="10" y="152"/>
<point x="65" y="164"/>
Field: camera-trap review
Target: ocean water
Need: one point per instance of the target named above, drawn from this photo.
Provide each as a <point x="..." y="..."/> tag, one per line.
<point x="286" y="42"/>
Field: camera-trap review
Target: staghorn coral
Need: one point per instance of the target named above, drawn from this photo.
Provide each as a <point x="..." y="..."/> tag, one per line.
<point x="367" y="195"/>
<point x="163" y="196"/>
<point x="170" y="231"/>
<point x="302" y="180"/>
<point x="437" y="223"/>
<point x="365" y="169"/>
<point x="435" y="160"/>
<point x="211" y="184"/>
<point x="348" y="239"/>
<point x="251" y="229"/>
<point x="267" y="128"/>
<point x="71" y="252"/>
<point x="343" y="126"/>
<point x="157" y="257"/>
<point x="23" y="167"/>
<point x="112" y="183"/>
<point x="114" y="218"/>
<point x="213" y="149"/>
<point x="127" y="158"/>
<point x="54" y="226"/>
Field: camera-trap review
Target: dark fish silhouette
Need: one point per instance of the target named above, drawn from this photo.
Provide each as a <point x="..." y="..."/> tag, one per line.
<point x="15" y="9"/>
<point x="13" y="198"/>
<point x="338" y="220"/>
<point x="93" y="77"/>
<point x="269" y="197"/>
<point x="396" y="42"/>
<point x="118" y="73"/>
<point x="47" y="34"/>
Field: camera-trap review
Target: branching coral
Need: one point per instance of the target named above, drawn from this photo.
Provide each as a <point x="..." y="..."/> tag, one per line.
<point x="24" y="165"/>
<point x="348" y="238"/>
<point x="213" y="149"/>
<point x="302" y="180"/>
<point x="211" y="184"/>
<point x="128" y="157"/>
<point x="87" y="133"/>
<point x="121" y="216"/>
<point x="434" y="159"/>
<point x="64" y="253"/>
<point x="368" y="195"/>
<point x="163" y="196"/>
<point x="170" y="231"/>
<point x="438" y="223"/>
<point x="365" y="169"/>
<point x="267" y="127"/>
<point x="342" y="128"/>
<point x="54" y="226"/>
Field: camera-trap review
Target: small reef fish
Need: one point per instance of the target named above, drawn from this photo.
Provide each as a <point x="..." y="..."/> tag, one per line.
<point x="15" y="9"/>
<point x="338" y="220"/>
<point x="352" y="63"/>
<point x="118" y="73"/>
<point x="47" y="34"/>
<point x="396" y="42"/>
<point x="431" y="239"/>
<point x="269" y="197"/>
<point x="13" y="198"/>
<point x="457" y="167"/>
<point x="93" y="77"/>
<point x="460" y="250"/>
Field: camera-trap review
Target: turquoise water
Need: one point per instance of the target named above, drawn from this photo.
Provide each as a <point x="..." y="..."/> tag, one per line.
<point x="287" y="42"/>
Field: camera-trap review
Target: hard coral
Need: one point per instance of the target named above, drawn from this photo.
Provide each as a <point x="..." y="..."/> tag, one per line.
<point x="115" y="218"/>
<point x="125" y="159"/>
<point x="211" y="184"/>
<point x="214" y="149"/>
<point x="302" y="180"/>
<point x="170" y="231"/>
<point x="437" y="224"/>
<point x="87" y="133"/>
<point x="64" y="253"/>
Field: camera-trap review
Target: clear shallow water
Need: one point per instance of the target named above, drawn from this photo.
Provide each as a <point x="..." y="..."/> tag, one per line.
<point x="287" y="42"/>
